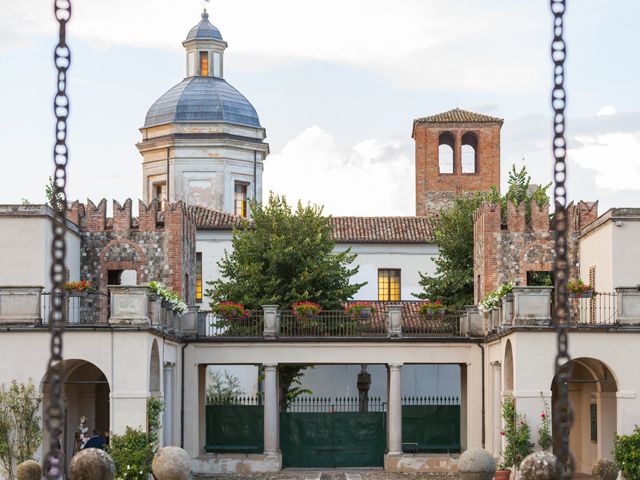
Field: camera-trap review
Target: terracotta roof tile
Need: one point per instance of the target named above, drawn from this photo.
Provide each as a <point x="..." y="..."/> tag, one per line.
<point x="209" y="219"/>
<point x="458" y="116"/>
<point x="384" y="229"/>
<point x="346" y="229"/>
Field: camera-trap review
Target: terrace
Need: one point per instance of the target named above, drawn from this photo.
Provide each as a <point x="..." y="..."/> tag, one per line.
<point x="122" y="306"/>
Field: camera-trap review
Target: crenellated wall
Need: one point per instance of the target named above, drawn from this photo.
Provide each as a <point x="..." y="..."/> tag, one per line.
<point x="504" y="251"/>
<point x="158" y="245"/>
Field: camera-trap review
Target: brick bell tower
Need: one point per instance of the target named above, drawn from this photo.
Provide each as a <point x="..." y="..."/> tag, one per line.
<point x="457" y="152"/>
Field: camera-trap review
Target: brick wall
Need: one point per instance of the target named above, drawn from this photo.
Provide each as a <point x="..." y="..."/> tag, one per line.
<point x="505" y="252"/>
<point x="158" y="245"/>
<point x="435" y="190"/>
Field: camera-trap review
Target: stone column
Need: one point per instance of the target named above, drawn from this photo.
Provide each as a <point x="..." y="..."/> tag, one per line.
<point x="271" y="414"/>
<point x="394" y="411"/>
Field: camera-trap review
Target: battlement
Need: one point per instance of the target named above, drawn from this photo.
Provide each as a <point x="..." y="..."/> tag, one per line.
<point x="510" y="244"/>
<point x="93" y="218"/>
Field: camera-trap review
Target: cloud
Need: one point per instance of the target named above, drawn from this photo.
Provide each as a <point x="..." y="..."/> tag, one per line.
<point x="614" y="157"/>
<point x="415" y="43"/>
<point x="372" y="177"/>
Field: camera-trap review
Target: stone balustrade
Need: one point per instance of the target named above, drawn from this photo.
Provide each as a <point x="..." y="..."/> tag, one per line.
<point x="20" y="305"/>
<point x="532" y="305"/>
<point x="628" y="305"/>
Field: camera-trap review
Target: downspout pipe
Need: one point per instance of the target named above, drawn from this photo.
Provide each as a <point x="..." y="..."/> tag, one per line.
<point x="484" y="427"/>
<point x="186" y="344"/>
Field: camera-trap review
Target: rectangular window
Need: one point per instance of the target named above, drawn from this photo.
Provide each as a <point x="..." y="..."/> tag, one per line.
<point x="160" y="194"/>
<point x="388" y="285"/>
<point x="204" y="63"/>
<point x="240" y="199"/>
<point x="198" y="277"/>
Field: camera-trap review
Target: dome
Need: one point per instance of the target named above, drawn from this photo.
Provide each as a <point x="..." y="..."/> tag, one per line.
<point x="202" y="99"/>
<point x="204" y="30"/>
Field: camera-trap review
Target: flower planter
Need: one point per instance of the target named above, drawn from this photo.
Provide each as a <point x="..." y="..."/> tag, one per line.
<point x="587" y="294"/>
<point x="364" y="313"/>
<point x="442" y="311"/>
<point x="78" y="293"/>
<point x="503" y="474"/>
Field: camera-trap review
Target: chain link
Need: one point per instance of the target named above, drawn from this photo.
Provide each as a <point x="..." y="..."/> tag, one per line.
<point x="562" y="412"/>
<point x="54" y="412"/>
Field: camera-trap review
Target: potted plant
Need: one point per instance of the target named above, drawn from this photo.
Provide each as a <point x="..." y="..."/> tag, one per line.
<point x="579" y="289"/>
<point x="359" y="309"/>
<point x="228" y="309"/>
<point x="305" y="309"/>
<point x="78" y="289"/>
<point x="170" y="299"/>
<point x="431" y="308"/>
<point x="517" y="439"/>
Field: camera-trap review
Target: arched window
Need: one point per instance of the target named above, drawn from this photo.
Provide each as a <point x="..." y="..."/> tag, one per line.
<point x="469" y="148"/>
<point x="445" y="152"/>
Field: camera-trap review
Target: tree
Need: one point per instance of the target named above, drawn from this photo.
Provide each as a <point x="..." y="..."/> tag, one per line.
<point x="20" y="430"/>
<point x="453" y="280"/>
<point x="285" y="257"/>
<point x="222" y="386"/>
<point x="50" y="193"/>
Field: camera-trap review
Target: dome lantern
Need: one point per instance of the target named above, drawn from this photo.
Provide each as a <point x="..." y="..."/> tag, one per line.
<point x="205" y="49"/>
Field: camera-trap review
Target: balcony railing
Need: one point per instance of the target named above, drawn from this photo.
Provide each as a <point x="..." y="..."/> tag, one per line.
<point x="332" y="323"/>
<point x="78" y="308"/>
<point x="598" y="310"/>
<point x="250" y="325"/>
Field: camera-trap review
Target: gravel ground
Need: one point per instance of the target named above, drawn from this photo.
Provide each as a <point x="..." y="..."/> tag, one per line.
<point x="332" y="475"/>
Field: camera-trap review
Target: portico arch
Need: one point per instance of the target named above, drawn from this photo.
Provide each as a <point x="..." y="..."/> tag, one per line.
<point x="592" y="391"/>
<point x="85" y="393"/>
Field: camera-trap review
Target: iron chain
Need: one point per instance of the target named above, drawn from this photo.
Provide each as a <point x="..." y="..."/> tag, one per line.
<point x="54" y="412"/>
<point x="562" y="413"/>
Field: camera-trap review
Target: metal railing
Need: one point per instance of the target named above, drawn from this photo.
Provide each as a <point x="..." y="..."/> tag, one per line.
<point x="437" y="324"/>
<point x="308" y="404"/>
<point x="83" y="308"/>
<point x="429" y="400"/>
<point x="597" y="310"/>
<point x="331" y="323"/>
<point x="250" y="325"/>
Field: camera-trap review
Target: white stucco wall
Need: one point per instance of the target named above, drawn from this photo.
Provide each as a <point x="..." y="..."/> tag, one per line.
<point x="626" y="261"/>
<point x="612" y="248"/>
<point x="122" y="356"/>
<point x="25" y="249"/>
<point x="596" y="249"/>
<point x="615" y="350"/>
<point x="409" y="258"/>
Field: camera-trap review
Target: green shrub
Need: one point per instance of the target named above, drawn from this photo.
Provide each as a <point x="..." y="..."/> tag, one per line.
<point x="132" y="454"/>
<point x="626" y="452"/>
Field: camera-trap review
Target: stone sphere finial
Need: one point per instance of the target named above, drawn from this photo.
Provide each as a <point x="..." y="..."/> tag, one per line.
<point x="476" y="464"/>
<point x="29" y="470"/>
<point x="92" y="464"/>
<point x="171" y="463"/>
<point x="605" y="469"/>
<point x="540" y="466"/>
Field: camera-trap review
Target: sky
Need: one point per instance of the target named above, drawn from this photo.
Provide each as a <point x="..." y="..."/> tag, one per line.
<point x="337" y="85"/>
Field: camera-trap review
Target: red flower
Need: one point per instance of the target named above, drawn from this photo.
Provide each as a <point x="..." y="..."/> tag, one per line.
<point x="542" y="415"/>
<point x="502" y="433"/>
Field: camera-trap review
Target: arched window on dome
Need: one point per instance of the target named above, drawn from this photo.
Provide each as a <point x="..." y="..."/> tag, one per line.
<point x="469" y="156"/>
<point x="445" y="152"/>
